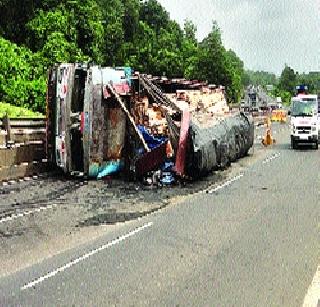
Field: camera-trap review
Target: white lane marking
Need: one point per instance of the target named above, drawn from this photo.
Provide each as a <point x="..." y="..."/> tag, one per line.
<point x="272" y="157"/>
<point x="312" y="298"/>
<point x="85" y="256"/>
<point x="225" y="184"/>
<point x="22" y="214"/>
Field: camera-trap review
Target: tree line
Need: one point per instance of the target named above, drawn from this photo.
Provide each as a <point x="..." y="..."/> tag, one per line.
<point x="35" y="34"/>
<point x="284" y="86"/>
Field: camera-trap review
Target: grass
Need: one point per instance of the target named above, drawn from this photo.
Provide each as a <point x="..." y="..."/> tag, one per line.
<point x="16" y="112"/>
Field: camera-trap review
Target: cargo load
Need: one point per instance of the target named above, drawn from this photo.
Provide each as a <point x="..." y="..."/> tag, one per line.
<point x="104" y="121"/>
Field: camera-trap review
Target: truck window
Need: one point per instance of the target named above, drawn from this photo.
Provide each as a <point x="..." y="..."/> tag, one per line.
<point x="304" y="108"/>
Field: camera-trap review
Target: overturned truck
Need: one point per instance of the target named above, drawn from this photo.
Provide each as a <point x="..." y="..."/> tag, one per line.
<point x="102" y="121"/>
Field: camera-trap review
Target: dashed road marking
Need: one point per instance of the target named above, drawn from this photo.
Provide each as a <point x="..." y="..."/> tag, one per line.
<point x="312" y="298"/>
<point x="225" y="184"/>
<point x="25" y="213"/>
<point x="85" y="256"/>
<point x="272" y="157"/>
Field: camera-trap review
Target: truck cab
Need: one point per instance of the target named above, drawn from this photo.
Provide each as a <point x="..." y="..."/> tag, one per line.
<point x="304" y="120"/>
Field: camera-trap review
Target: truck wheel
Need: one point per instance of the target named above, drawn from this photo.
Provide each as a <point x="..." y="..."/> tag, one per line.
<point x="293" y="144"/>
<point x="316" y="145"/>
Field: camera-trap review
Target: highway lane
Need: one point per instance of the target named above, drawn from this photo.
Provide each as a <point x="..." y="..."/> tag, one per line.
<point x="252" y="242"/>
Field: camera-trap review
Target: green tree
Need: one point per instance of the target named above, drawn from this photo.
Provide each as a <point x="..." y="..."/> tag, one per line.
<point x="89" y="25"/>
<point x="153" y="14"/>
<point x="78" y="24"/>
<point x="130" y="19"/>
<point x="284" y="95"/>
<point x="246" y="80"/>
<point x="168" y="57"/>
<point x="45" y="24"/>
<point x="189" y="50"/>
<point x="113" y="14"/>
<point x="14" y="16"/>
<point x="235" y="71"/>
<point x="22" y="82"/>
<point x="140" y="54"/>
<point x="261" y="78"/>
<point x="58" y="49"/>
<point x="288" y="80"/>
<point x="111" y="33"/>
<point x="190" y="31"/>
<point x="311" y="79"/>
<point x="211" y="58"/>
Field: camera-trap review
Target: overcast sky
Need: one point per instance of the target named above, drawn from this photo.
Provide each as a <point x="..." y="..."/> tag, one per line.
<point x="265" y="34"/>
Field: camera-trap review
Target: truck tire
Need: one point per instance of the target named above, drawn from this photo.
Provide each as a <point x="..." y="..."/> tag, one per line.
<point x="293" y="144"/>
<point x="316" y="145"/>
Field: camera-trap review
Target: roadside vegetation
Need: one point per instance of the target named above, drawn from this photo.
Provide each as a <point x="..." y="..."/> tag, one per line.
<point x="135" y="33"/>
<point x="15" y="112"/>
<point x="37" y="34"/>
<point x="284" y="86"/>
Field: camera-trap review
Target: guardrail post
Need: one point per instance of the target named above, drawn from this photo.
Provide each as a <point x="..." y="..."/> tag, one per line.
<point x="7" y="128"/>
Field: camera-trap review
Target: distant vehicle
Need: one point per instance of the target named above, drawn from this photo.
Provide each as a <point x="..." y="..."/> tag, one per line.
<point x="304" y="119"/>
<point x="273" y="106"/>
<point x="279" y="115"/>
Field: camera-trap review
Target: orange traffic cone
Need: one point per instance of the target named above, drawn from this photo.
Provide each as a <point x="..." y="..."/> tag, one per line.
<point x="268" y="139"/>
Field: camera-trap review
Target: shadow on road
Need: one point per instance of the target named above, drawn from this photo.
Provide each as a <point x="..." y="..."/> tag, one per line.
<point x="287" y="146"/>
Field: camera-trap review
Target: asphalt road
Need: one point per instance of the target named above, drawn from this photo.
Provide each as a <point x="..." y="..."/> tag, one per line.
<point x="251" y="241"/>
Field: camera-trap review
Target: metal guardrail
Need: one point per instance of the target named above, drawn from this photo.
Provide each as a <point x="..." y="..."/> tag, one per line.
<point x="22" y="144"/>
<point x="19" y="130"/>
<point x="23" y="123"/>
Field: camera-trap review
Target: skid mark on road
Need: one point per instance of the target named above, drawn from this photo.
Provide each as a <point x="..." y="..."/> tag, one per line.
<point x="25" y="213"/>
<point x="312" y="298"/>
<point x="272" y="157"/>
<point x="84" y="257"/>
<point x="225" y="184"/>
